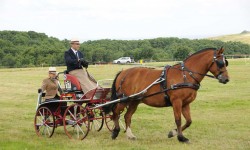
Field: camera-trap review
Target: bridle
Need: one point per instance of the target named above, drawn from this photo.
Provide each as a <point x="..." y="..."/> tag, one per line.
<point x="219" y="63"/>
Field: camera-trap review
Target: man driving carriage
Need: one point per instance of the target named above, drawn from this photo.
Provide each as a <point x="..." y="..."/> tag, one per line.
<point x="77" y="66"/>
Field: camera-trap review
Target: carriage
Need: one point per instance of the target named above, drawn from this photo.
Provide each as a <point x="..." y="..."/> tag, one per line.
<point x="74" y="111"/>
<point x="174" y="86"/>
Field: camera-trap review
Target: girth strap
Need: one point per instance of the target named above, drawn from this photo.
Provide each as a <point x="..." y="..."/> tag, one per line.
<point x="164" y="85"/>
<point x="164" y="76"/>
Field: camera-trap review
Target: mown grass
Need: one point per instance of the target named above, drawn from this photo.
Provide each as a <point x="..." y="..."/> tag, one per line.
<point x="220" y="115"/>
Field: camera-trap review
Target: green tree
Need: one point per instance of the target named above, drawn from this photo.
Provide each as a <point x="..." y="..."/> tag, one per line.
<point x="182" y="53"/>
<point x="23" y="49"/>
<point x="9" y="61"/>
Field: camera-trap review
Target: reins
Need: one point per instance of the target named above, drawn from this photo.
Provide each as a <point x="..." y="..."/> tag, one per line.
<point x="184" y="68"/>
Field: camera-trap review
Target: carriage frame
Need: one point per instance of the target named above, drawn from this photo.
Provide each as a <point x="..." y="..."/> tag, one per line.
<point x="74" y="111"/>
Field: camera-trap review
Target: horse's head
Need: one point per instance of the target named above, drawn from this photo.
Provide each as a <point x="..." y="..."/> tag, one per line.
<point x="219" y="66"/>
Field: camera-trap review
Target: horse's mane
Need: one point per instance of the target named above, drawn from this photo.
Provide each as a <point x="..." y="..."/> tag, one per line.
<point x="198" y="52"/>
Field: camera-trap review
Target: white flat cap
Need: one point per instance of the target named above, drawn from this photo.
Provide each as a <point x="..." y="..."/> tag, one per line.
<point x="52" y="69"/>
<point x="74" y="40"/>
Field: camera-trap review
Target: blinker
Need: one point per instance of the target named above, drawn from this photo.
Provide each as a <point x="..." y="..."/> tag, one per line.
<point x="220" y="63"/>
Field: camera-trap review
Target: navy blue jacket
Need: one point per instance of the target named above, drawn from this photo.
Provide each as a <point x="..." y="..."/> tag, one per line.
<point x="71" y="60"/>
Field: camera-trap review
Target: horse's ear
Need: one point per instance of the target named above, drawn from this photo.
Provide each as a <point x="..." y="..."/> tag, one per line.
<point x="221" y="50"/>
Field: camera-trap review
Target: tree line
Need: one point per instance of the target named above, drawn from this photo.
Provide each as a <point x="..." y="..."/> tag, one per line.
<point x="28" y="49"/>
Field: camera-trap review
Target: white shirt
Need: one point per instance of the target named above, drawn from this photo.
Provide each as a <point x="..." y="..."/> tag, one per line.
<point x="75" y="51"/>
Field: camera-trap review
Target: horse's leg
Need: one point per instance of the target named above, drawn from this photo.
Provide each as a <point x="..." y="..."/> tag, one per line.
<point x="187" y="116"/>
<point x="116" y="115"/>
<point x="177" y="107"/>
<point x="128" y="115"/>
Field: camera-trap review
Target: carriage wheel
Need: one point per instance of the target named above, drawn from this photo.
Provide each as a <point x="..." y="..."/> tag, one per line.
<point x="110" y="123"/>
<point x="44" y="122"/>
<point x="96" y="118"/>
<point x="76" y="122"/>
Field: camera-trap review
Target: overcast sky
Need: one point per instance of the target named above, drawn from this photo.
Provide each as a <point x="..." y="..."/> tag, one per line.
<point x="126" y="19"/>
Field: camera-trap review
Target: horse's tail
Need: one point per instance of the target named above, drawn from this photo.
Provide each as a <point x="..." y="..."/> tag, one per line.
<point x="108" y="108"/>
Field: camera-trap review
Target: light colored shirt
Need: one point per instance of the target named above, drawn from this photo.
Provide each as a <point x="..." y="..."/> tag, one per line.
<point x="75" y="51"/>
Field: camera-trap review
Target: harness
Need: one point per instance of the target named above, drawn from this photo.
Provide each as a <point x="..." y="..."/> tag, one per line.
<point x="185" y="84"/>
<point x="162" y="80"/>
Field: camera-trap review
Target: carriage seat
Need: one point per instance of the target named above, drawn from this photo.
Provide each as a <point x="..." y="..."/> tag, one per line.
<point x="71" y="83"/>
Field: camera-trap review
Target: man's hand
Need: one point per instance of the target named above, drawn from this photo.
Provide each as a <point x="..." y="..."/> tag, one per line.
<point x="84" y="63"/>
<point x="81" y="59"/>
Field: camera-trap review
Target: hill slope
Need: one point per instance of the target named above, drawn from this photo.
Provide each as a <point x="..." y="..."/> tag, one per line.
<point x="243" y="37"/>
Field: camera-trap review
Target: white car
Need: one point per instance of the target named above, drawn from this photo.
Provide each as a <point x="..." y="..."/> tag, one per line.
<point x="123" y="60"/>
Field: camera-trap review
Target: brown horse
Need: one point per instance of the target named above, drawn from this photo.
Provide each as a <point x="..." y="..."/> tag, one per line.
<point x="174" y="86"/>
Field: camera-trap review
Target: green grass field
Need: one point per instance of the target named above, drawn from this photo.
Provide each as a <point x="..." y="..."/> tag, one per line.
<point x="220" y="114"/>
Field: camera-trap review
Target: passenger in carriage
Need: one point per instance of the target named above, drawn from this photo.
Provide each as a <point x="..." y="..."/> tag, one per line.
<point x="52" y="90"/>
<point x="77" y="66"/>
<point x="50" y="85"/>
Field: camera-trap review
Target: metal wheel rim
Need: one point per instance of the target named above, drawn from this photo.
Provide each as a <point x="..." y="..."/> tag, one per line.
<point x="76" y="122"/>
<point x="44" y="122"/>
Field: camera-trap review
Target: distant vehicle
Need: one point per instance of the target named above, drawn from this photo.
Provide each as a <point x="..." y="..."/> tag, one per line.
<point x="123" y="60"/>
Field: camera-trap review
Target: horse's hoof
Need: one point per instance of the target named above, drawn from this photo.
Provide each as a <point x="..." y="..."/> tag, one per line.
<point x="113" y="137"/>
<point x="172" y="133"/>
<point x="115" y="133"/>
<point x="183" y="139"/>
<point x="132" y="138"/>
